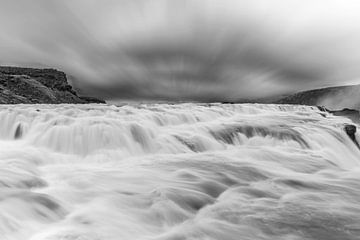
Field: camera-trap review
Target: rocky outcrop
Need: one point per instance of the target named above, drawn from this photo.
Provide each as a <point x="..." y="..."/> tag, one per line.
<point x="350" y="131"/>
<point x="30" y="85"/>
<point x="352" y="114"/>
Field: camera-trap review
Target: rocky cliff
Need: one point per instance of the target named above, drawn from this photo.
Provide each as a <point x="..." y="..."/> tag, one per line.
<point x="30" y="85"/>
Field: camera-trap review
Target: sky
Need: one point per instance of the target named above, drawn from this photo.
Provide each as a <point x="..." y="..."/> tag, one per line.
<point x="186" y="50"/>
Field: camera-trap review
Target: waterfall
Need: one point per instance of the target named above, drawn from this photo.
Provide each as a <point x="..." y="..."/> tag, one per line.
<point x="176" y="171"/>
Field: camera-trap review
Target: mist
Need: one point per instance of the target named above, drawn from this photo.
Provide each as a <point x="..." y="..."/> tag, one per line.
<point x="346" y="97"/>
<point x="186" y="50"/>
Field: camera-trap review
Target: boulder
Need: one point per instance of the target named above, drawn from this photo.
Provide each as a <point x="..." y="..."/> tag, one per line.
<point x="350" y="131"/>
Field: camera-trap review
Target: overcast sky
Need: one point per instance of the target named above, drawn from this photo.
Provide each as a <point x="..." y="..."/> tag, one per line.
<point x="206" y="50"/>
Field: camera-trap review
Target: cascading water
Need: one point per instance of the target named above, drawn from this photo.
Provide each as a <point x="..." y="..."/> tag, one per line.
<point x="182" y="171"/>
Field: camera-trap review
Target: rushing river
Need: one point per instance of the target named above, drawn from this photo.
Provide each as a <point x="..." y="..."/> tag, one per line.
<point x="176" y="172"/>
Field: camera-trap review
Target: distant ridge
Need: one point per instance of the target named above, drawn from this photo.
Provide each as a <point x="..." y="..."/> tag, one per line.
<point x="32" y="85"/>
<point x="332" y="97"/>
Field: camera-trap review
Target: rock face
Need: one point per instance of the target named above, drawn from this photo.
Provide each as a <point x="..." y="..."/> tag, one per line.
<point x="30" y="85"/>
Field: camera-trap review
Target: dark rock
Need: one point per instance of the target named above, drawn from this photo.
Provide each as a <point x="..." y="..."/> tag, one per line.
<point x="323" y="109"/>
<point x="350" y="131"/>
<point x="43" y="86"/>
<point x="18" y="132"/>
<point x="91" y="99"/>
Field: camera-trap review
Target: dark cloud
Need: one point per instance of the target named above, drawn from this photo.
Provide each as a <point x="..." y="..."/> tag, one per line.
<point x="186" y="50"/>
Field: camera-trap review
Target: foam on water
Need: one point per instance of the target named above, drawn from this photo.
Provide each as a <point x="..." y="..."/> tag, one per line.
<point x="182" y="171"/>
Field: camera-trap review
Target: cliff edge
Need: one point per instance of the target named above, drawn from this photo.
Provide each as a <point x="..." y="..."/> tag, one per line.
<point x="30" y="85"/>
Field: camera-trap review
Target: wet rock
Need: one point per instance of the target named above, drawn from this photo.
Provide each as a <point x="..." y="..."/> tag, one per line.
<point x="18" y="132"/>
<point x="323" y="109"/>
<point x="350" y="131"/>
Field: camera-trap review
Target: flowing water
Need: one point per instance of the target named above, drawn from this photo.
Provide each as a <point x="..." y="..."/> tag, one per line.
<point x="176" y="172"/>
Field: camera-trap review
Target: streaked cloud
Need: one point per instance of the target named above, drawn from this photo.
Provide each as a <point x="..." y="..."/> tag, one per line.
<point x="204" y="50"/>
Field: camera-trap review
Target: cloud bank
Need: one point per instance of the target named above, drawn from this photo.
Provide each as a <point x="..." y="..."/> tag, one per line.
<point x="202" y="50"/>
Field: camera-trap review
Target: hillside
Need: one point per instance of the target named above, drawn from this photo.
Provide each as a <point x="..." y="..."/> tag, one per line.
<point x="332" y="97"/>
<point x="30" y="85"/>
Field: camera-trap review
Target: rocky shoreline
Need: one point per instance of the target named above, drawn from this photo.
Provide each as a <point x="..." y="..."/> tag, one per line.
<point x="353" y="115"/>
<point x="38" y="86"/>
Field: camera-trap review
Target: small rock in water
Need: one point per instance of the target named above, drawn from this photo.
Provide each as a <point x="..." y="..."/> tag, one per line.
<point x="350" y="131"/>
<point x="18" y="132"/>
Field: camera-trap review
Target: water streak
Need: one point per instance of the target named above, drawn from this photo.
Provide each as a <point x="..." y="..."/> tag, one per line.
<point x="176" y="171"/>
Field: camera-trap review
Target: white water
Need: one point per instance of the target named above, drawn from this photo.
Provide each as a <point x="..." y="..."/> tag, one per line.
<point x="176" y="172"/>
